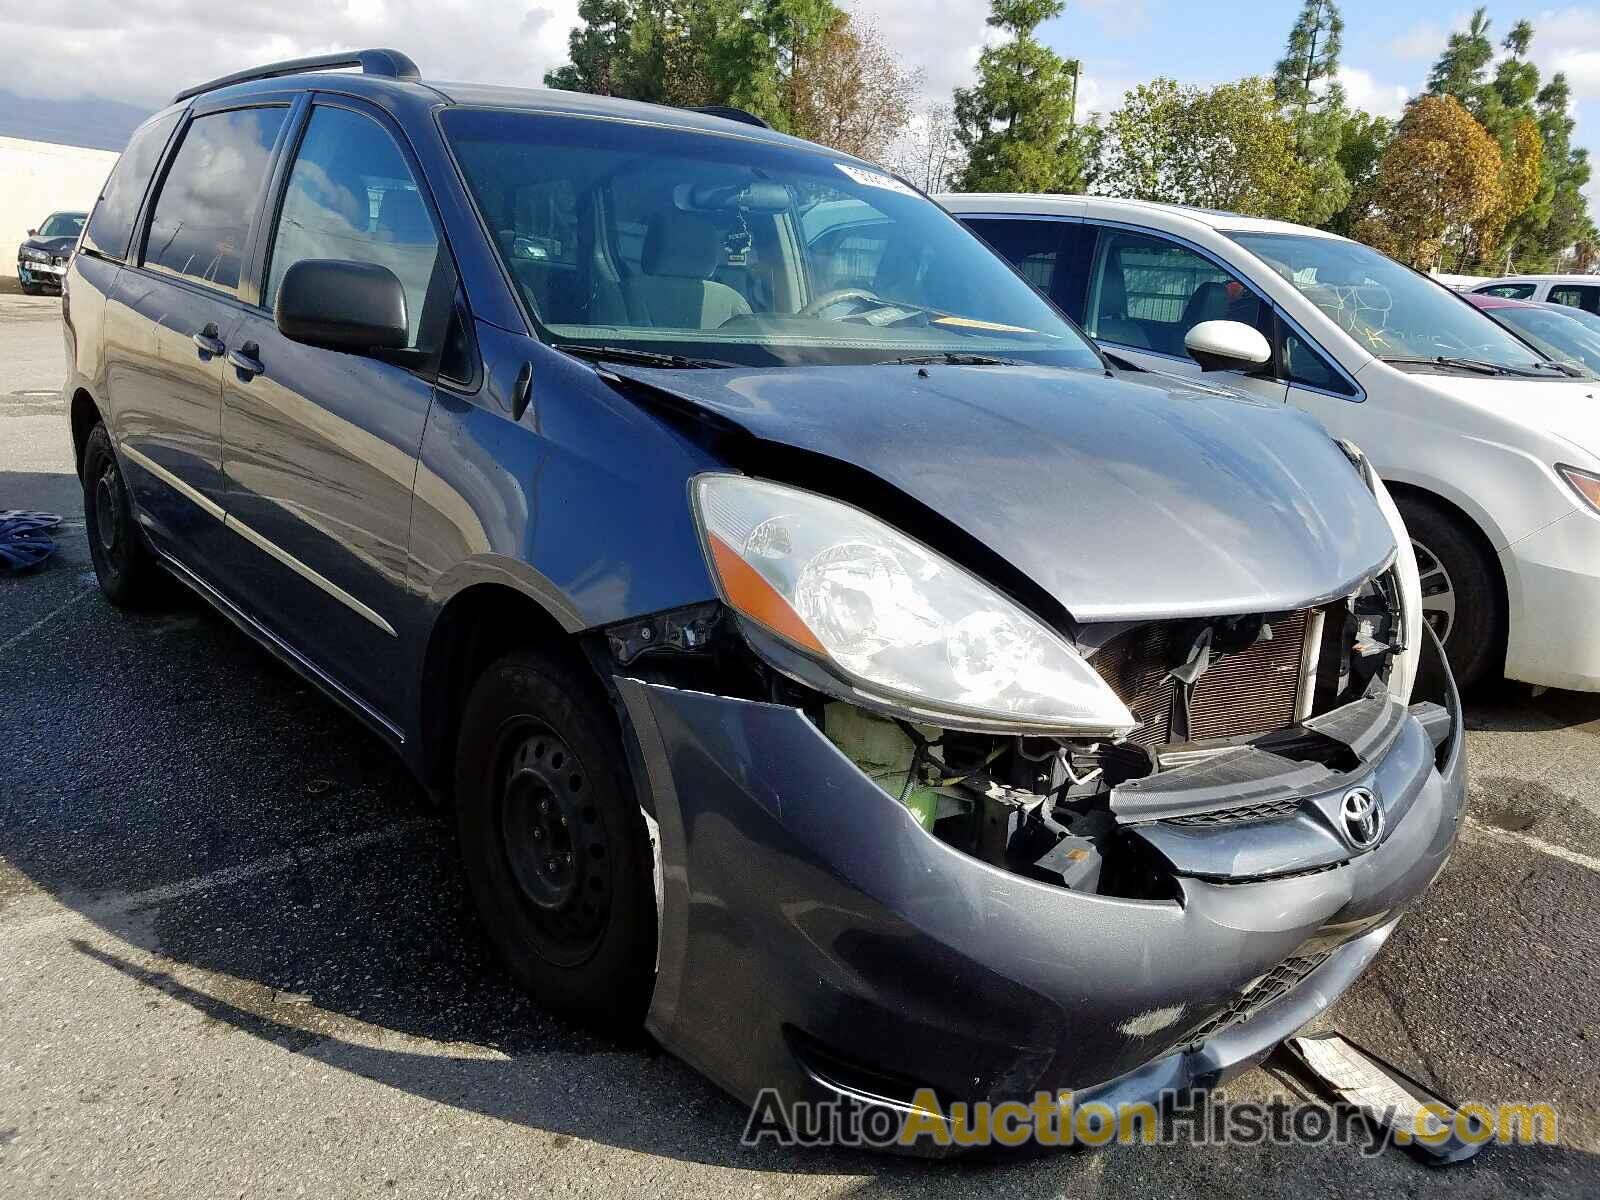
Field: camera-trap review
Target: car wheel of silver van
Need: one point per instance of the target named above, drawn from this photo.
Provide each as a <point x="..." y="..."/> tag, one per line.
<point x="1462" y="596"/>
<point x="1438" y="592"/>
<point x="555" y="849"/>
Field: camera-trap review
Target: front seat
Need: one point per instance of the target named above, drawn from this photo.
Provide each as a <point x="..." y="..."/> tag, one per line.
<point x="1112" y="323"/>
<point x="676" y="291"/>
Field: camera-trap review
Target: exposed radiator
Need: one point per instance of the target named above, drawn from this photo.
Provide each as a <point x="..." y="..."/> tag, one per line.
<point x="1250" y="691"/>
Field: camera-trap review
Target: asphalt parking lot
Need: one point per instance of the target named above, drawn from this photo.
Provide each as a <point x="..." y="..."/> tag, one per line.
<point x="236" y="957"/>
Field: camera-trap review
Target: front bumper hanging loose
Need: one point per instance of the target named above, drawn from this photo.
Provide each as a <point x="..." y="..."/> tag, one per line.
<point x="815" y="939"/>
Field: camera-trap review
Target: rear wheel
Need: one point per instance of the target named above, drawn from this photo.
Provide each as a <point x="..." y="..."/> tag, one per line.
<point x="555" y="848"/>
<point x="123" y="563"/>
<point x="1461" y="595"/>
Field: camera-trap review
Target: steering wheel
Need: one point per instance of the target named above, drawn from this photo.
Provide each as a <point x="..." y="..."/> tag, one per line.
<point x="838" y="296"/>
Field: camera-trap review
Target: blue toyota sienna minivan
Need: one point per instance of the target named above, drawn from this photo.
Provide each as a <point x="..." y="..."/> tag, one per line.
<point x="832" y="664"/>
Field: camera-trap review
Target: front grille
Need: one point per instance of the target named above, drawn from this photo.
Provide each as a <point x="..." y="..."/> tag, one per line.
<point x="1269" y="989"/>
<point x="1250" y="812"/>
<point x="1248" y="692"/>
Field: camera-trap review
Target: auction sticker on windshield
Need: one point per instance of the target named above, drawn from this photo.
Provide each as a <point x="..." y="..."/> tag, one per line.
<point x="874" y="179"/>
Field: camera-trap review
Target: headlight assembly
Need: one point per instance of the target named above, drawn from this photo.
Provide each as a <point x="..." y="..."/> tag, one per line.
<point x="894" y="620"/>
<point x="1403" y="674"/>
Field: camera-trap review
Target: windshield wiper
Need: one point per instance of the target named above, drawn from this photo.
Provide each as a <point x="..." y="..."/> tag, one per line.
<point x="639" y="358"/>
<point x="1570" y="370"/>
<point x="1459" y="364"/>
<point x="955" y="358"/>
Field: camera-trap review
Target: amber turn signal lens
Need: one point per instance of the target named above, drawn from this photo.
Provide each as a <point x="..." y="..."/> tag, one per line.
<point x="1584" y="483"/>
<point x="746" y="592"/>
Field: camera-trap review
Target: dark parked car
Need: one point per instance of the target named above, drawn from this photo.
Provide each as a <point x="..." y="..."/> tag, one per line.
<point x="831" y="661"/>
<point x="42" y="259"/>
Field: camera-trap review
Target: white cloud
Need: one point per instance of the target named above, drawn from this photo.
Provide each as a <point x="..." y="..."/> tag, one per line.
<point x="1117" y="18"/>
<point x="1422" y="40"/>
<point x="942" y="37"/>
<point x="142" y="51"/>
<point x="1568" y="40"/>
<point x="1364" y="91"/>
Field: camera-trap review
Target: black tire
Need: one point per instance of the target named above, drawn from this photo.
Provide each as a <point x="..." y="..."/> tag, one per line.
<point x="123" y="562"/>
<point x="31" y="289"/>
<point x="555" y="849"/>
<point x="1461" y="592"/>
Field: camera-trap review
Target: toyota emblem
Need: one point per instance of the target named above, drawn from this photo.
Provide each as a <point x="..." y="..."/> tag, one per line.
<point x="1363" y="818"/>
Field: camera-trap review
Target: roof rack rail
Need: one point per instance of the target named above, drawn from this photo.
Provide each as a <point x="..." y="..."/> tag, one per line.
<point x="730" y="113"/>
<point x="389" y="63"/>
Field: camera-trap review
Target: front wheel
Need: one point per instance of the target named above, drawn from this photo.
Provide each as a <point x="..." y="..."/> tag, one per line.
<point x="555" y="848"/>
<point x="31" y="289"/>
<point x="1461" y="595"/>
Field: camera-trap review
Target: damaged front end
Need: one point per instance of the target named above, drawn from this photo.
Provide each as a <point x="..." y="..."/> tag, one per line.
<point x="892" y="869"/>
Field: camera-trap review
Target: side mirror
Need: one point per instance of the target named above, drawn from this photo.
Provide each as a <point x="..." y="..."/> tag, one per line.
<point x="356" y="307"/>
<point x="1226" y="346"/>
<point x="33" y="233"/>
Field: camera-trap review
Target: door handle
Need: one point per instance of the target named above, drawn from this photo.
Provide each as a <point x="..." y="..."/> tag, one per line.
<point x="244" y="358"/>
<point x="208" y="341"/>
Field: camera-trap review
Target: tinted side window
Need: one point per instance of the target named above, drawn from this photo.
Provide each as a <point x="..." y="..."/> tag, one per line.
<point x="1147" y="293"/>
<point x="1305" y="365"/>
<point x="1511" y="291"/>
<point x="111" y="225"/>
<point x="1033" y="247"/>
<point x="1575" y="296"/>
<point x="208" y="200"/>
<point x="351" y="196"/>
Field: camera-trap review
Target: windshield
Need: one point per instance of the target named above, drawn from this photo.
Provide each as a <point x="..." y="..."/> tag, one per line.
<point x="1554" y="333"/>
<point x="736" y="250"/>
<point x="62" y="225"/>
<point x="1393" y="312"/>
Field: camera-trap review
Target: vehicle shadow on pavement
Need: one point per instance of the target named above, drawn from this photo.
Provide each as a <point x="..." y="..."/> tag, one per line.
<point x="652" y="1104"/>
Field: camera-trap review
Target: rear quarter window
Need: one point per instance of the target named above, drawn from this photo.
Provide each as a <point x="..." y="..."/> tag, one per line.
<point x="111" y="224"/>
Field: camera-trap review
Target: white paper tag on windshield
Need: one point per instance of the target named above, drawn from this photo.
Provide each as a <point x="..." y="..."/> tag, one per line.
<point x="875" y="179"/>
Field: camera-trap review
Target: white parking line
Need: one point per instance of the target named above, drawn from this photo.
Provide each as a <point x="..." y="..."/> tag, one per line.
<point x="44" y="620"/>
<point x="35" y="911"/>
<point x="1572" y="856"/>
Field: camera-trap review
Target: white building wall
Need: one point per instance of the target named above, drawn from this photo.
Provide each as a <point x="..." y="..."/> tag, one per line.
<point x="39" y="178"/>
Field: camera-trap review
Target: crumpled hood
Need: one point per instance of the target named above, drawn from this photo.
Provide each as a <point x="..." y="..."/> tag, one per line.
<point x="1124" y="501"/>
<point x="56" y="245"/>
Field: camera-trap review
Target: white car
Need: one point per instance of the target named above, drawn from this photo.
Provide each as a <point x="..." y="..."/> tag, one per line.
<point x="1491" y="451"/>
<point x="1576" y="291"/>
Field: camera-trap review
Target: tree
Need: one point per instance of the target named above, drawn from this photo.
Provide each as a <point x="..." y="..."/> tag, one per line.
<point x="1520" y="177"/>
<point x="1228" y="147"/>
<point x="1018" y="123"/>
<point x="1309" y="68"/>
<point x="1460" y="70"/>
<point x="928" y="153"/>
<point x="804" y="66"/>
<point x="1306" y="83"/>
<point x="598" y="47"/>
<point x="850" y="91"/>
<point x="1362" y="142"/>
<point x="1439" y="174"/>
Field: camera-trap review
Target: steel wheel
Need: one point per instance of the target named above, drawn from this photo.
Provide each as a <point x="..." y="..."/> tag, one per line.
<point x="556" y="844"/>
<point x="1438" y="592"/>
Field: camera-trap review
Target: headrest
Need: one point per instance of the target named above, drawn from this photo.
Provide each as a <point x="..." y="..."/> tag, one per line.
<point x="681" y="244"/>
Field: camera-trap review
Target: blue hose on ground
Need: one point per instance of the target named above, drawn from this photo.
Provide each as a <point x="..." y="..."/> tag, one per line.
<point x="23" y="540"/>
